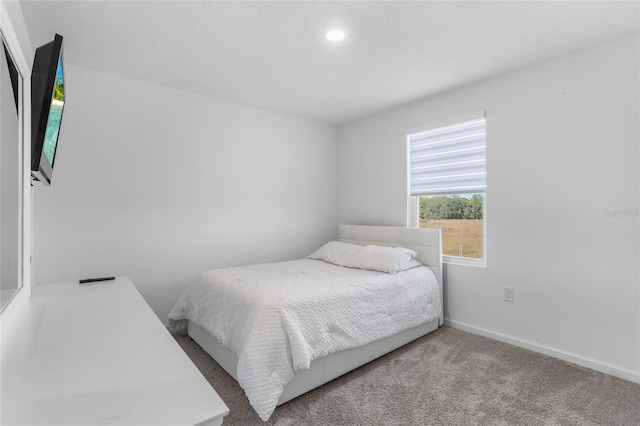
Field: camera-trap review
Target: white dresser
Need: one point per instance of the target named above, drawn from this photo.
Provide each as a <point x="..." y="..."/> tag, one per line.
<point x="96" y="354"/>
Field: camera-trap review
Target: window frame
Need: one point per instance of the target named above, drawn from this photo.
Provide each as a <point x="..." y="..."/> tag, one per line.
<point x="413" y="204"/>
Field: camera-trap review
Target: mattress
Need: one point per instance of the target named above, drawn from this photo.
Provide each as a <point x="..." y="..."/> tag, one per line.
<point x="279" y="317"/>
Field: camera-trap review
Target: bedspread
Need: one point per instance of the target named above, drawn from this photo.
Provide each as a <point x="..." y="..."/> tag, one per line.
<point x="279" y="317"/>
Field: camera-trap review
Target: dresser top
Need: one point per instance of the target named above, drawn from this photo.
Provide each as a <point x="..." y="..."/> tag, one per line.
<point x="97" y="354"/>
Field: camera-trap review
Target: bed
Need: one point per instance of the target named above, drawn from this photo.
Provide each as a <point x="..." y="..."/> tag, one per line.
<point x="278" y="351"/>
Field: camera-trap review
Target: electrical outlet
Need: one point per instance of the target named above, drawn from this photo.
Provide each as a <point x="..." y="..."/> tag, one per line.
<point x="508" y="294"/>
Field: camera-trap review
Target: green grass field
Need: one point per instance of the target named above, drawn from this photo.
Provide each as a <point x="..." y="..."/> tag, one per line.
<point x="460" y="237"/>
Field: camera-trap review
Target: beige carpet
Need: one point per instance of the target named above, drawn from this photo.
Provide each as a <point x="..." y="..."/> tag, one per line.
<point x="448" y="377"/>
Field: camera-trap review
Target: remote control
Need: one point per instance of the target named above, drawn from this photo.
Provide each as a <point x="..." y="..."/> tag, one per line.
<point x="93" y="280"/>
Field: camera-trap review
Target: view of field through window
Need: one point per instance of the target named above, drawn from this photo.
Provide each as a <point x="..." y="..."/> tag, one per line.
<point x="460" y="219"/>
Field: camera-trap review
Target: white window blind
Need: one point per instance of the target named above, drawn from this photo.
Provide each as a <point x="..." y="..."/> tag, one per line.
<point x="448" y="160"/>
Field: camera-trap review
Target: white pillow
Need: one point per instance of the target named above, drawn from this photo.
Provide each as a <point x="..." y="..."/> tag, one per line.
<point x="374" y="258"/>
<point x="383" y="259"/>
<point x="335" y="252"/>
<point x="413" y="263"/>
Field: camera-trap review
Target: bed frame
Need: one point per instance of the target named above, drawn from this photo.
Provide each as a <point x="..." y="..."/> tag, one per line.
<point x="428" y="244"/>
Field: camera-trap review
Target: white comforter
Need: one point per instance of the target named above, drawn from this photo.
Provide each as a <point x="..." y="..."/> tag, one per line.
<point x="279" y="317"/>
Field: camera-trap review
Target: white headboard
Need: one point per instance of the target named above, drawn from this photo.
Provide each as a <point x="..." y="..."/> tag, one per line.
<point x="426" y="241"/>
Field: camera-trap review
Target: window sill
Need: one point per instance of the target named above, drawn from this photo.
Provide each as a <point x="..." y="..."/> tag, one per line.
<point x="465" y="261"/>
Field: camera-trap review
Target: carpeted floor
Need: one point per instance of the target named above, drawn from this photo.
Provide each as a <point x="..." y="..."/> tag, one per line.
<point x="449" y="377"/>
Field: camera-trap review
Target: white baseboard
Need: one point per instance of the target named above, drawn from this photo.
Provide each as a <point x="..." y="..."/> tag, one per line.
<point x="583" y="361"/>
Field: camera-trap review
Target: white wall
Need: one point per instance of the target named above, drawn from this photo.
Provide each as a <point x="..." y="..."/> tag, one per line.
<point x="562" y="148"/>
<point x="159" y="185"/>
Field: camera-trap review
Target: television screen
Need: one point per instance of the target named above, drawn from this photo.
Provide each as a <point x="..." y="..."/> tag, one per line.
<point x="55" y="115"/>
<point x="47" y="105"/>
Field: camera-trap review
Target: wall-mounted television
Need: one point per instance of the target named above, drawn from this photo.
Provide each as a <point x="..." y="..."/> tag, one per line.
<point x="47" y="104"/>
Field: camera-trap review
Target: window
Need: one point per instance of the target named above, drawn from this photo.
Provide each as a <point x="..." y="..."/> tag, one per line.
<point x="447" y="187"/>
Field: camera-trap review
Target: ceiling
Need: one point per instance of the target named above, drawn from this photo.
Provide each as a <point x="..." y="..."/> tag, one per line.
<point x="272" y="54"/>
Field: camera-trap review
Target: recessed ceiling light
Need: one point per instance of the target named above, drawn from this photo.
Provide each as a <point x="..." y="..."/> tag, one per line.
<point x="335" y="35"/>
